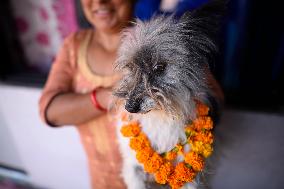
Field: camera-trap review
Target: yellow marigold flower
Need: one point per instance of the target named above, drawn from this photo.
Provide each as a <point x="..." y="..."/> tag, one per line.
<point x="208" y="123"/>
<point x="201" y="148"/>
<point x="197" y="146"/>
<point x="184" y="173"/>
<point x="163" y="173"/>
<point x="143" y="155"/>
<point x="205" y="137"/>
<point x="171" y="155"/>
<point x="140" y="142"/>
<point x="203" y="123"/>
<point x="207" y="150"/>
<point x="178" y="148"/>
<point x="130" y="130"/>
<point x="201" y="109"/>
<point x="174" y="182"/>
<point x="153" y="163"/>
<point x="189" y="131"/>
<point x="195" y="160"/>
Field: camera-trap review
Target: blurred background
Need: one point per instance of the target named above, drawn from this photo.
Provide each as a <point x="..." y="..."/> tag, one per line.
<point x="250" y="69"/>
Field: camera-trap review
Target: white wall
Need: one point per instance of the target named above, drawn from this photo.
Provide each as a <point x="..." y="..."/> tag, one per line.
<point x="53" y="158"/>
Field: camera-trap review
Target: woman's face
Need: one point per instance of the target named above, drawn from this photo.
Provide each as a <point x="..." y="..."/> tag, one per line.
<point x="107" y="14"/>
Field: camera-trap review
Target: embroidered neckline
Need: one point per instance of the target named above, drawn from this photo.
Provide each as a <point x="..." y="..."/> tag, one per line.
<point x="104" y="80"/>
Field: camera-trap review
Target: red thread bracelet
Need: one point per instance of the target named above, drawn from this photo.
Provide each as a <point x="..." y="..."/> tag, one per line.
<point x="95" y="101"/>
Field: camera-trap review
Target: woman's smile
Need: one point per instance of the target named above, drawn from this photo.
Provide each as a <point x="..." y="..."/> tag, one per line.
<point x="103" y="12"/>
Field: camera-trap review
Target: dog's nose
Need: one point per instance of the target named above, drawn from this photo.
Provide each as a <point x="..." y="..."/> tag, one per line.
<point x="132" y="107"/>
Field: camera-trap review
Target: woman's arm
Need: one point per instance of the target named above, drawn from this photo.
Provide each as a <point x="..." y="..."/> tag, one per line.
<point x="73" y="109"/>
<point x="59" y="104"/>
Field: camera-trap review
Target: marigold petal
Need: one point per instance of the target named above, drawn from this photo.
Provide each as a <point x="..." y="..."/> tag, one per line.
<point x="195" y="161"/>
<point x="202" y="109"/>
<point x="171" y="155"/>
<point x="174" y="182"/>
<point x="183" y="173"/>
<point x="201" y="123"/>
<point x="143" y="155"/>
<point x="163" y="173"/>
<point x="205" y="137"/>
<point x="130" y="130"/>
<point x="138" y="143"/>
<point x="153" y="163"/>
<point x="208" y="149"/>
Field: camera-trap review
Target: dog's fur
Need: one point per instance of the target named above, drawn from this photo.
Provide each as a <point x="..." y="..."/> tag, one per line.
<point x="165" y="65"/>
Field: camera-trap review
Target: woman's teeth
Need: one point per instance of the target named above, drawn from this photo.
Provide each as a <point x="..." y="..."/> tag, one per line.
<point x="103" y="11"/>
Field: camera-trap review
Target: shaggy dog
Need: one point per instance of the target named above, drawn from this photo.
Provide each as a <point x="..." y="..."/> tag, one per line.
<point x="165" y="65"/>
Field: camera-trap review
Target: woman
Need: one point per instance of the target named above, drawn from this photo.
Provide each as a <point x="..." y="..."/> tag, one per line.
<point x="77" y="91"/>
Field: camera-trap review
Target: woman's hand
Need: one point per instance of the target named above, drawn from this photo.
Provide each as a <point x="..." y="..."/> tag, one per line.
<point x="104" y="97"/>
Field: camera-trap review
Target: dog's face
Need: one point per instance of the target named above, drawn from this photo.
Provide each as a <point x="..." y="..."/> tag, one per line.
<point x="164" y="62"/>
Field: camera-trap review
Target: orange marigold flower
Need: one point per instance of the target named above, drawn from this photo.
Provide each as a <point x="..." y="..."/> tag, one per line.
<point x="163" y="173"/>
<point x="138" y="143"/>
<point x="153" y="163"/>
<point x="174" y="182"/>
<point x="195" y="160"/>
<point x="205" y="137"/>
<point x="171" y="155"/>
<point x="143" y="155"/>
<point x="201" y="109"/>
<point x="130" y="130"/>
<point x="203" y="123"/>
<point x="183" y="173"/>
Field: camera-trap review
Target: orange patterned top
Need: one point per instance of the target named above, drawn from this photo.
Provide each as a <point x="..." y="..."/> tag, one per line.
<point x="70" y="72"/>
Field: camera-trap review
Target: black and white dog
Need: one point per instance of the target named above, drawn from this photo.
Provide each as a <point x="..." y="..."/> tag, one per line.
<point x="165" y="65"/>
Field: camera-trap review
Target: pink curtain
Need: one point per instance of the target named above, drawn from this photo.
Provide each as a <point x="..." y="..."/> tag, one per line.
<point x="42" y="26"/>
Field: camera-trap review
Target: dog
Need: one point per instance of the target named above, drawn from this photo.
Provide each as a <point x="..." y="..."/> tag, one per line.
<point x="165" y="66"/>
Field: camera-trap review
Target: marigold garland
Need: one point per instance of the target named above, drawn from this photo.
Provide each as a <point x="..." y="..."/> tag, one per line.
<point x="200" y="138"/>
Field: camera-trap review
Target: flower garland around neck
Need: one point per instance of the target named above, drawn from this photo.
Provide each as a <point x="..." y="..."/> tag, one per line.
<point x="163" y="166"/>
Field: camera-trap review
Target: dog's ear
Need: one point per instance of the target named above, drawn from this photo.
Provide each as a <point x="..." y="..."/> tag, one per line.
<point x="207" y="18"/>
<point x="201" y="28"/>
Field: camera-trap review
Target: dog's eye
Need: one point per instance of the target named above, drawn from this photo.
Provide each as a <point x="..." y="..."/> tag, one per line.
<point x="120" y="94"/>
<point x="155" y="90"/>
<point x="128" y="67"/>
<point x="158" y="68"/>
